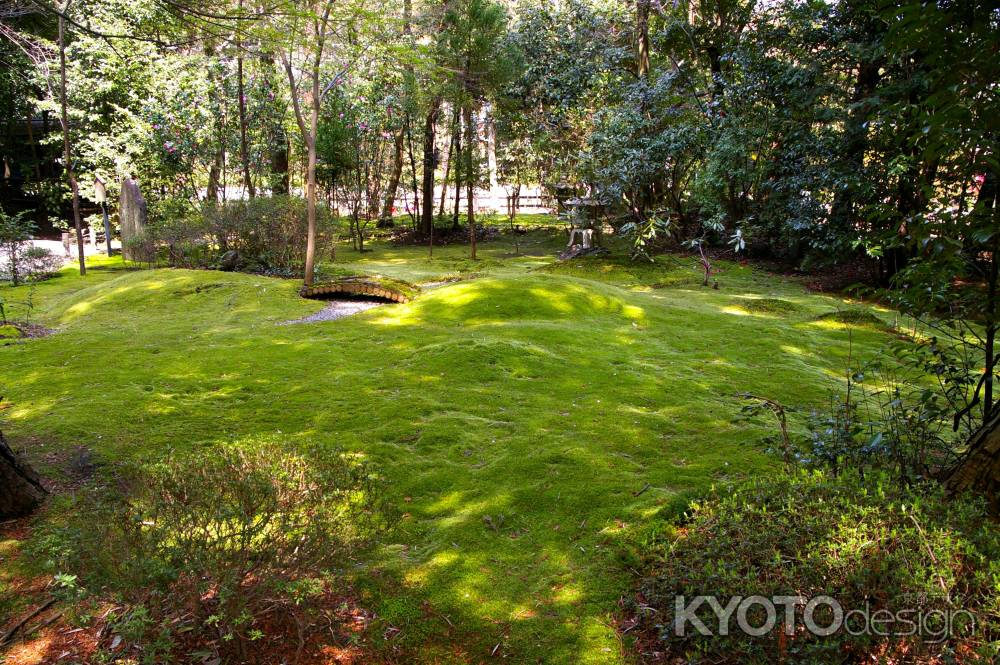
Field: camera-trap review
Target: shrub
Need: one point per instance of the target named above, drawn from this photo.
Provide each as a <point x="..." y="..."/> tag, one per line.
<point x="15" y="234"/>
<point x="264" y="235"/>
<point x="867" y="543"/>
<point x="889" y="419"/>
<point x="41" y="263"/>
<point x="223" y="545"/>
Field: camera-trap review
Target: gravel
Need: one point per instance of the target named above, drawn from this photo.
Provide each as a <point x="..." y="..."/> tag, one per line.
<point x="338" y="309"/>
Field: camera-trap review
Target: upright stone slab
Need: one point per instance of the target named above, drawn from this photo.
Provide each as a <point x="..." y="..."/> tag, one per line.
<point x="132" y="216"/>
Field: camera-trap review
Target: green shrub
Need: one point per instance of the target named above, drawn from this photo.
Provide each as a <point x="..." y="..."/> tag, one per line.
<point x="221" y="544"/>
<point x="41" y="263"/>
<point x="863" y="542"/>
<point x="264" y="235"/>
<point x="15" y="234"/>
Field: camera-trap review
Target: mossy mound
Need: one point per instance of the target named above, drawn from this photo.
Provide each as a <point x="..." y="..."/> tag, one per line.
<point x="8" y="331"/>
<point x="767" y="306"/>
<point x="854" y="316"/>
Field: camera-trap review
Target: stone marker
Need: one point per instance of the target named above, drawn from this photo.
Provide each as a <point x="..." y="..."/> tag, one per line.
<point x="132" y="217"/>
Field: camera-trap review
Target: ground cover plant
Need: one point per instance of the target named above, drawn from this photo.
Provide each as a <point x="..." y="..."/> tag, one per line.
<point x="533" y="427"/>
<point x="933" y="563"/>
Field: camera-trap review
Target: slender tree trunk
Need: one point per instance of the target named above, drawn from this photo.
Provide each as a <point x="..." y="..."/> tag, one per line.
<point x="990" y="208"/>
<point x="241" y="93"/>
<point x="447" y="174"/>
<point x="458" y="167"/>
<point x="311" y="185"/>
<point x="280" y="182"/>
<point x="430" y="163"/>
<point x="642" y="37"/>
<point x="393" y="184"/>
<point x="413" y="172"/>
<point x="470" y="176"/>
<point x="244" y="152"/>
<point x="67" y="152"/>
<point x="21" y="490"/>
<point x="34" y="149"/>
<point x="216" y="174"/>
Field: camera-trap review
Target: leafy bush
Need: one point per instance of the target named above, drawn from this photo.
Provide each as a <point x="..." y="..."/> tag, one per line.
<point x="40" y="263"/>
<point x="865" y="542"/>
<point x="15" y="232"/>
<point x="263" y="235"/>
<point x="20" y="261"/>
<point x="889" y="418"/>
<point x="220" y="545"/>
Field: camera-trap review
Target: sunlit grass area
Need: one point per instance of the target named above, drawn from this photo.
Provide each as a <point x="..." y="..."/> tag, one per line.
<point x="536" y="421"/>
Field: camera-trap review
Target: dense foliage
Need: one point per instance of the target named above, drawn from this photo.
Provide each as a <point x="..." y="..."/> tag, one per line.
<point x="869" y="543"/>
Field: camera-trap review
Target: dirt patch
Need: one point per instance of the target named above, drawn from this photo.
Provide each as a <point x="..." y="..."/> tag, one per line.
<point x="12" y="332"/>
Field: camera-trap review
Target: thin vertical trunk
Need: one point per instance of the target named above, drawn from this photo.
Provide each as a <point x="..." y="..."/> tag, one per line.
<point x="430" y="163"/>
<point x="990" y="209"/>
<point x="311" y="184"/>
<point x="447" y="174"/>
<point x="413" y="171"/>
<point x="397" y="163"/>
<point x="393" y="184"/>
<point x="280" y="182"/>
<point x="642" y="37"/>
<point x="458" y="166"/>
<point x="34" y="149"/>
<point x="470" y="176"/>
<point x="67" y="152"/>
<point x="244" y="151"/>
<point x="215" y="171"/>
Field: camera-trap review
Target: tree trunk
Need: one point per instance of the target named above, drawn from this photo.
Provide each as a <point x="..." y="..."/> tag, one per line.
<point x="413" y="172"/>
<point x="241" y="93"/>
<point x="21" y="490"/>
<point x="244" y="152"/>
<point x="458" y="167"/>
<point x="979" y="469"/>
<point x="470" y="177"/>
<point x="430" y="163"/>
<point x="448" y="165"/>
<point x="642" y="37"/>
<point x="67" y="153"/>
<point x="389" y="202"/>
<point x="216" y="175"/>
<point x="280" y="183"/>
<point x="311" y="186"/>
